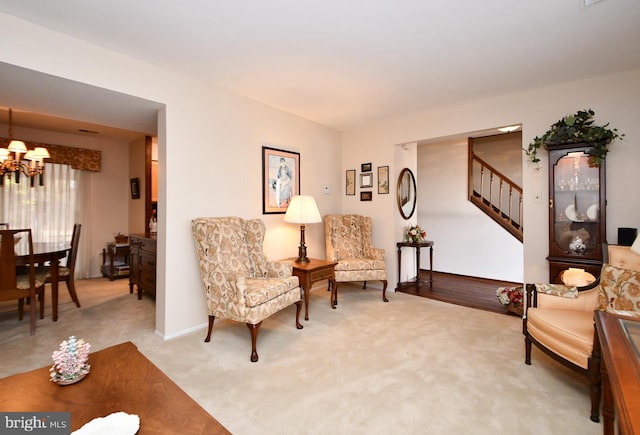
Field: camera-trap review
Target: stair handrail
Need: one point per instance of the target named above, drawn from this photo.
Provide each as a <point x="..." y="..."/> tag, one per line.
<point x="517" y="232"/>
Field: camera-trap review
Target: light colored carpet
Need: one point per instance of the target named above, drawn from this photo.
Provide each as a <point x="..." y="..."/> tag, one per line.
<point x="412" y="366"/>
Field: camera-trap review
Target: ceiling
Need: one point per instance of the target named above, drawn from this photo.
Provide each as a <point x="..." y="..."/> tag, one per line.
<point x="346" y="63"/>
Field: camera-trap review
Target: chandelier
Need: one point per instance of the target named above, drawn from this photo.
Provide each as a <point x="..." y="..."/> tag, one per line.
<point x="10" y="159"/>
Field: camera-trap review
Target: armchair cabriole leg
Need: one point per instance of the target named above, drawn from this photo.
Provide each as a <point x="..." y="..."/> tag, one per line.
<point x="527" y="351"/>
<point x="333" y="299"/>
<point x="211" y="319"/>
<point x="364" y="285"/>
<point x="298" y="309"/>
<point x="384" y="290"/>
<point x="254" y="338"/>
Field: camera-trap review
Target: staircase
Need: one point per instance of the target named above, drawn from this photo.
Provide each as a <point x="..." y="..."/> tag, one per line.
<point x="496" y="195"/>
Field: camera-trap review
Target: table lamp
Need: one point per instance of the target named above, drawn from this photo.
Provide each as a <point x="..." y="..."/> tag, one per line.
<point x="302" y="210"/>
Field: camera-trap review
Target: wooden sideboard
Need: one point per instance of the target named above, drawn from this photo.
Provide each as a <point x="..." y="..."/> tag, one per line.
<point x="143" y="264"/>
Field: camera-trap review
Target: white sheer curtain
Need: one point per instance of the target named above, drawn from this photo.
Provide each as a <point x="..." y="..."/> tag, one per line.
<point x="50" y="210"/>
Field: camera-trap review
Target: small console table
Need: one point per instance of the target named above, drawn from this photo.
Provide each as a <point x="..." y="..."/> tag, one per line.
<point x="115" y="261"/>
<point x="416" y="246"/>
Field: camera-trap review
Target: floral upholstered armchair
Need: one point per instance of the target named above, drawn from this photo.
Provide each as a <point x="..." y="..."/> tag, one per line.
<point x="239" y="283"/>
<point x="559" y="319"/>
<point x="348" y="242"/>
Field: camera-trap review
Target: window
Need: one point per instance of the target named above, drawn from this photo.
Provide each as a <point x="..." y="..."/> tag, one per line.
<point x="50" y="210"/>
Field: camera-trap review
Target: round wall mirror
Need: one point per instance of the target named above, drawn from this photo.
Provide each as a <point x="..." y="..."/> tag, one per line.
<point x="406" y="193"/>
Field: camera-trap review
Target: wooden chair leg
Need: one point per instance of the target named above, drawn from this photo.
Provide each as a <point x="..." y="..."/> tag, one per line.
<point x="32" y="313"/>
<point x="364" y="285"/>
<point x="211" y="320"/>
<point x="384" y="290"/>
<point x="72" y="291"/>
<point x="41" y="298"/>
<point x="20" y="308"/>
<point x="298" y="309"/>
<point x="527" y="351"/>
<point x="333" y="299"/>
<point x="254" y="338"/>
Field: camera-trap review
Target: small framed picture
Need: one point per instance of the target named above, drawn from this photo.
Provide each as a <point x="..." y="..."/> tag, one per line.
<point x="383" y="179"/>
<point x="365" y="167"/>
<point x="366" y="196"/>
<point x="135" y="188"/>
<point x="350" y="182"/>
<point x="280" y="179"/>
<point x="366" y="180"/>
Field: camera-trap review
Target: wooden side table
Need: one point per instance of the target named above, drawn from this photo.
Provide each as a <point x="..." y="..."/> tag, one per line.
<point x="313" y="271"/>
<point x="416" y="246"/>
<point x="115" y="261"/>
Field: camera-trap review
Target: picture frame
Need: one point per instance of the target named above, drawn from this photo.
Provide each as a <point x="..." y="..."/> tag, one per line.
<point x="383" y="180"/>
<point x="135" y="188"/>
<point x="366" y="196"/>
<point x="366" y="180"/>
<point x="365" y="167"/>
<point x="280" y="179"/>
<point x="350" y="182"/>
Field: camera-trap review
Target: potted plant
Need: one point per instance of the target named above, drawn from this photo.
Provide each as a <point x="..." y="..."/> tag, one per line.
<point x="577" y="128"/>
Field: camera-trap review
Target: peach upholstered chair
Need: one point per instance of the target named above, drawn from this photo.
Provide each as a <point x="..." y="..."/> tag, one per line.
<point x="348" y="242"/>
<point x="560" y="319"/>
<point x="239" y="283"/>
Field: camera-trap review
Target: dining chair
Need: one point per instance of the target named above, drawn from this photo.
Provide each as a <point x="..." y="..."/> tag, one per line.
<point x="17" y="280"/>
<point x="66" y="273"/>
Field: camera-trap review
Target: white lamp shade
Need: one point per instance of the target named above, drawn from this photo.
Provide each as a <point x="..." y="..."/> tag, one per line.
<point x="636" y="246"/>
<point x="302" y="210"/>
<point x="17" y="146"/>
<point x="41" y="153"/>
<point x="4" y="154"/>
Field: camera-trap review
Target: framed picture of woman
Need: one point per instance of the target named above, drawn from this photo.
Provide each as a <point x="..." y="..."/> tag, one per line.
<point x="280" y="179"/>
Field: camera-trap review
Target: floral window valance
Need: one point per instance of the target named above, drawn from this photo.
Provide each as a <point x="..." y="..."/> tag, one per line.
<point x="77" y="158"/>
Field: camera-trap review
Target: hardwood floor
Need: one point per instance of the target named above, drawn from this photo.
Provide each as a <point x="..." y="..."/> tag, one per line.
<point x="462" y="290"/>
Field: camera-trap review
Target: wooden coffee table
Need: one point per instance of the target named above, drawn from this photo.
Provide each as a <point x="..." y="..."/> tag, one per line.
<point x="313" y="271"/>
<point x="121" y="379"/>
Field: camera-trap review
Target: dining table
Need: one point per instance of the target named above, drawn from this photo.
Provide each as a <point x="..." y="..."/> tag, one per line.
<point x="44" y="252"/>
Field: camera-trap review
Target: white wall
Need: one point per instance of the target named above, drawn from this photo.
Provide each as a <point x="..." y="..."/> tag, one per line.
<point x="209" y="152"/>
<point x="467" y="241"/>
<point x="615" y="98"/>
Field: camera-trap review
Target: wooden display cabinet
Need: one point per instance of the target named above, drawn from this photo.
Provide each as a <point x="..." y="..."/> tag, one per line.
<point x="577" y="210"/>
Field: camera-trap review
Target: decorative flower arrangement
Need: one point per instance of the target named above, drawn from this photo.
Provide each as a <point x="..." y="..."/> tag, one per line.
<point x="511" y="297"/>
<point x="70" y="363"/>
<point x="415" y="234"/>
<point x="577" y="128"/>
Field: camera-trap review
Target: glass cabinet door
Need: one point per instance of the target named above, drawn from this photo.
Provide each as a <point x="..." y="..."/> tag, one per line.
<point x="577" y="215"/>
<point x="576" y="206"/>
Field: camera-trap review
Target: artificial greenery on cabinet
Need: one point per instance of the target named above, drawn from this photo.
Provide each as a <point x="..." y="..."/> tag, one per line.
<point x="577" y="128"/>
